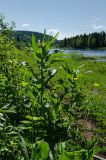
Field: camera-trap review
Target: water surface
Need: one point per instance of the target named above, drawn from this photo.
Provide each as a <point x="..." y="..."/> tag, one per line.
<point x="85" y="52"/>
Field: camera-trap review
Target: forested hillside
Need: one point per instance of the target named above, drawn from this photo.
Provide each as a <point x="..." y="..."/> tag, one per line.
<point x="93" y="40"/>
<point x="23" y="38"/>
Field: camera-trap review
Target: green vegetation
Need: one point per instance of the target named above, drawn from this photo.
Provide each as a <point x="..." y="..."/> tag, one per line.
<point x="52" y="106"/>
<point x="23" y="38"/>
<point x="93" y="40"/>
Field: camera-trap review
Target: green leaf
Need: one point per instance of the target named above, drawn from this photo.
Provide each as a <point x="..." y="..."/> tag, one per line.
<point x="23" y="148"/>
<point x="27" y="123"/>
<point x="42" y="151"/>
<point x="77" y="155"/>
<point x="44" y="39"/>
<point x="35" y="45"/>
<point x="34" y="118"/>
<point x="7" y="111"/>
<point x="64" y="155"/>
<point x="12" y="133"/>
<point x="24" y="83"/>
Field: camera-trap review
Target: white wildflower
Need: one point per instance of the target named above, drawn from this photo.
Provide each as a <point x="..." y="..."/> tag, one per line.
<point x="53" y="71"/>
<point x="47" y="105"/>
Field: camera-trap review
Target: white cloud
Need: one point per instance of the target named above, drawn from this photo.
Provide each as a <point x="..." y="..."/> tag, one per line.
<point x="25" y="25"/>
<point x="61" y="35"/>
<point x="53" y="31"/>
<point x="97" y="26"/>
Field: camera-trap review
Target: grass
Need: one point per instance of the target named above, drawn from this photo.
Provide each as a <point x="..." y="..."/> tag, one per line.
<point x="92" y="79"/>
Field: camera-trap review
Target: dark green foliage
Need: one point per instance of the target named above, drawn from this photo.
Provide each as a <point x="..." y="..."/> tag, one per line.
<point x="23" y="148"/>
<point x="93" y="40"/>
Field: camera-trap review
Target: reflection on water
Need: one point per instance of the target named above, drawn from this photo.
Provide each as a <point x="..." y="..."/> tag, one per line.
<point x="87" y="52"/>
<point x="100" y="60"/>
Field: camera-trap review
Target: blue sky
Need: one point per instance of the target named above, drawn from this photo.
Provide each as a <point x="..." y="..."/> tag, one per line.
<point x="68" y="17"/>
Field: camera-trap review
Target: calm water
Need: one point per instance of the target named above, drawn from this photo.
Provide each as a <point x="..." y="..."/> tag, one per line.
<point x="99" y="53"/>
<point x="88" y="52"/>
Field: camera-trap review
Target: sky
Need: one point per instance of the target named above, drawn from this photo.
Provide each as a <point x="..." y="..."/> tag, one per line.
<point x="68" y="17"/>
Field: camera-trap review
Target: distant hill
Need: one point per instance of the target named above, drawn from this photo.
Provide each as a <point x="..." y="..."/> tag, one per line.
<point x="26" y="35"/>
<point x="23" y="38"/>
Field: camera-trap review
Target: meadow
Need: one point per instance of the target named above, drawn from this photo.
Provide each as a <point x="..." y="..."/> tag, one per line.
<point x="92" y="78"/>
<point x="52" y="106"/>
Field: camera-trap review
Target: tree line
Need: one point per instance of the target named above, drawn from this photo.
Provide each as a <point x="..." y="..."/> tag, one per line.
<point x="92" y="40"/>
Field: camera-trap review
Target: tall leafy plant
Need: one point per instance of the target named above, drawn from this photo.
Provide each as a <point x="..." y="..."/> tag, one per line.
<point x="55" y="100"/>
